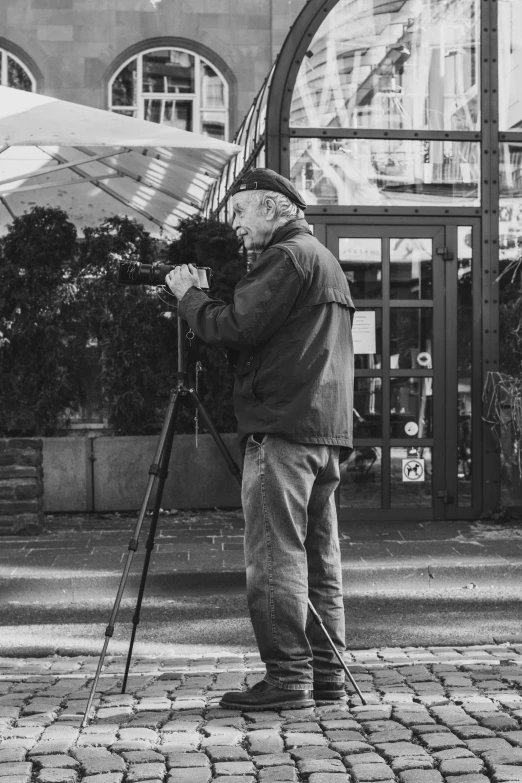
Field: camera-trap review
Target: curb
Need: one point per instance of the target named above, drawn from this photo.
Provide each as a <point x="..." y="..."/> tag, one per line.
<point x="374" y="577"/>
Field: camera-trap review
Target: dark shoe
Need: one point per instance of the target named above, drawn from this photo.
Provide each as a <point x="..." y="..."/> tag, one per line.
<point x="263" y="696"/>
<point x="326" y="692"/>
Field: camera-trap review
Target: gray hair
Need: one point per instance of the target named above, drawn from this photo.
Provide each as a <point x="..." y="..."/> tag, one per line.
<point x="286" y="210"/>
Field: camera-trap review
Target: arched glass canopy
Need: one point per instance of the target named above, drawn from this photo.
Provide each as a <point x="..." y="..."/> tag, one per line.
<point x="373" y="104"/>
<point x="251" y="138"/>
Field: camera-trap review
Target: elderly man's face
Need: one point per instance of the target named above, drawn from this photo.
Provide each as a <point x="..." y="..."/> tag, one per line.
<point x="253" y="222"/>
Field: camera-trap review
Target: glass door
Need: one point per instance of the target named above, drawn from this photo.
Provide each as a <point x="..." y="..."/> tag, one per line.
<point x="415" y="437"/>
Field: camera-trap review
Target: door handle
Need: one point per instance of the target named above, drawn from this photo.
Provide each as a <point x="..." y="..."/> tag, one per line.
<point x="446" y="253"/>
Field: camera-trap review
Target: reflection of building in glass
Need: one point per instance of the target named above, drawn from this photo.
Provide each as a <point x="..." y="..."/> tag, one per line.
<point x="392" y="65"/>
<point x="172" y="87"/>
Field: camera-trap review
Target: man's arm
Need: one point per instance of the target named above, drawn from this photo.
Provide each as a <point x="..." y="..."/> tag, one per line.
<point x="262" y="301"/>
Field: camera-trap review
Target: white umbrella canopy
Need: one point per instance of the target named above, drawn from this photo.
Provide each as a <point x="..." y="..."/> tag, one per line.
<point x="94" y="164"/>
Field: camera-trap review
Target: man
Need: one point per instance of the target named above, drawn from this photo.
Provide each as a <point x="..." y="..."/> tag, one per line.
<point x="290" y="323"/>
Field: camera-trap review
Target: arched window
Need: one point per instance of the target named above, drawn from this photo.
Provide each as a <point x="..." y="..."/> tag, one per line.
<point x="14" y="73"/>
<point x="172" y="86"/>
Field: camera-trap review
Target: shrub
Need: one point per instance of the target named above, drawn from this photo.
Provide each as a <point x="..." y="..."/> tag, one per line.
<point x="41" y="335"/>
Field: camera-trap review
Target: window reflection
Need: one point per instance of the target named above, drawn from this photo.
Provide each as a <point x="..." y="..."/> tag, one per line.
<point x="388" y="172"/>
<point x="361" y="483"/>
<point x="411" y="408"/>
<point x="411" y="338"/>
<point x="510" y="64"/>
<point x="168" y="70"/>
<point x="411" y="268"/>
<point x="367" y="414"/>
<point x="465" y="362"/>
<point x="411" y="65"/>
<point x="361" y="261"/>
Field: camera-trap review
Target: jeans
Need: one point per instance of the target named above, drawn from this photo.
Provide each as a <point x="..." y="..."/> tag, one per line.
<point x="292" y="553"/>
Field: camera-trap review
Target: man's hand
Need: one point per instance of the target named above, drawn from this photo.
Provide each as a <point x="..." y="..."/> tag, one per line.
<point x="181" y="279"/>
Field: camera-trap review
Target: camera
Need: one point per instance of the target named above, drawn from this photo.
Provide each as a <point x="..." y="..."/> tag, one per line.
<point x="135" y="273"/>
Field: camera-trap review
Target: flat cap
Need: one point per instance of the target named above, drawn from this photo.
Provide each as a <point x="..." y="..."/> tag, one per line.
<point x="266" y="179"/>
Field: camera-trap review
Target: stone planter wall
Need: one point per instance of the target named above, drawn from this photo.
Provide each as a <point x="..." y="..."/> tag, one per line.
<point x="21" y="486"/>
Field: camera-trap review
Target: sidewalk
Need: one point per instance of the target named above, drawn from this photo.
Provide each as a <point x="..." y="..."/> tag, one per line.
<point x="82" y="556"/>
<point x="433" y="715"/>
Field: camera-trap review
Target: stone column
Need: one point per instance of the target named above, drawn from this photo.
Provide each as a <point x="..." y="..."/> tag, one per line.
<point x="21" y="486"/>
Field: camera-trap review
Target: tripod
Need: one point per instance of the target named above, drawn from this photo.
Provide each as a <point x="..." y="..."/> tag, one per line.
<point x="181" y="394"/>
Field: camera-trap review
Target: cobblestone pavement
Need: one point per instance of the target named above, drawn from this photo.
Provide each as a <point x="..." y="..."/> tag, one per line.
<point x="434" y="715"/>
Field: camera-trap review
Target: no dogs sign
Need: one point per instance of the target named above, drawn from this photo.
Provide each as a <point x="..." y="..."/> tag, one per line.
<point x="413" y="469"/>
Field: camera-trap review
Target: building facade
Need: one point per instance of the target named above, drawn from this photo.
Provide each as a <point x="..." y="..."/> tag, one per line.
<point x="75" y="50"/>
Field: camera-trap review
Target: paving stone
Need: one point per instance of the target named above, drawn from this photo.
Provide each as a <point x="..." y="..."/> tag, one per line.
<point x="189" y="775"/>
<point x="58" y="761"/>
<point x="299" y="740"/>
<point x="12" y="754"/>
<point x="25" y="778"/>
<point x="504" y="773"/>
<point x="285" y="773"/>
<point x="402" y="763"/>
<point x="150" y="771"/>
<point x="307" y="727"/>
<point x="235" y="778"/>
<point x="57" y="775"/>
<point x="188" y="760"/>
<point x="260" y="742"/>
<point x="473" y="732"/>
<point x="16" y="768"/>
<point x="273" y="760"/>
<point x="500" y="723"/>
<point x="393" y="750"/>
<point x="142" y="756"/>
<point x="492" y="743"/>
<point x="453" y="753"/>
<point x="103" y="764"/>
<point x="328" y="777"/>
<point x="509" y="756"/>
<point x="371" y="772"/>
<point x="513" y="737"/>
<point x="473" y="778"/>
<point x="394" y="735"/>
<point x="363" y="758"/>
<point x="110" y="777"/>
<point x="315" y="753"/>
<point x="442" y="741"/>
<point x="421" y="776"/>
<point x="346" y="748"/>
<point x="307" y="766"/>
<point x="461" y="766"/>
<point x="341" y="724"/>
<point x="227" y="768"/>
<point x="218" y="753"/>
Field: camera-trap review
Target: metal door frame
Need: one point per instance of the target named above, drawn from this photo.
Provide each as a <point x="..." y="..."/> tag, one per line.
<point x="445" y="370"/>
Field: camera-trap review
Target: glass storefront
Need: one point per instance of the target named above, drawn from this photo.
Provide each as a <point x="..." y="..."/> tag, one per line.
<point x="388" y="172"/>
<point x="385" y="118"/>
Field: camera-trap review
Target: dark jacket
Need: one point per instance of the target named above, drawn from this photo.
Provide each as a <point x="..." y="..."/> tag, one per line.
<point x="290" y="322"/>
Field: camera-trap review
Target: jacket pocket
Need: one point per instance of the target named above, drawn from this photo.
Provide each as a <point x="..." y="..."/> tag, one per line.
<point x="246" y="369"/>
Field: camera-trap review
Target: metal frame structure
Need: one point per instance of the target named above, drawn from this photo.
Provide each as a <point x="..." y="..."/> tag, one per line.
<point x="277" y="138"/>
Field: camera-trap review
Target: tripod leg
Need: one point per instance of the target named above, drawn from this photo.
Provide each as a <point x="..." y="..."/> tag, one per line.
<point x="133" y="543"/>
<point x="336" y="652"/>
<point x="162" y="473"/>
<point x="211" y="427"/>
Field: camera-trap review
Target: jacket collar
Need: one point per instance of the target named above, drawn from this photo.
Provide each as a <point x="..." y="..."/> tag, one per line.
<point x="296" y="226"/>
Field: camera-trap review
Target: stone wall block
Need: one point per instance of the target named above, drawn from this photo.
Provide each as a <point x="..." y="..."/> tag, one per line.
<point x="21" y="486"/>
